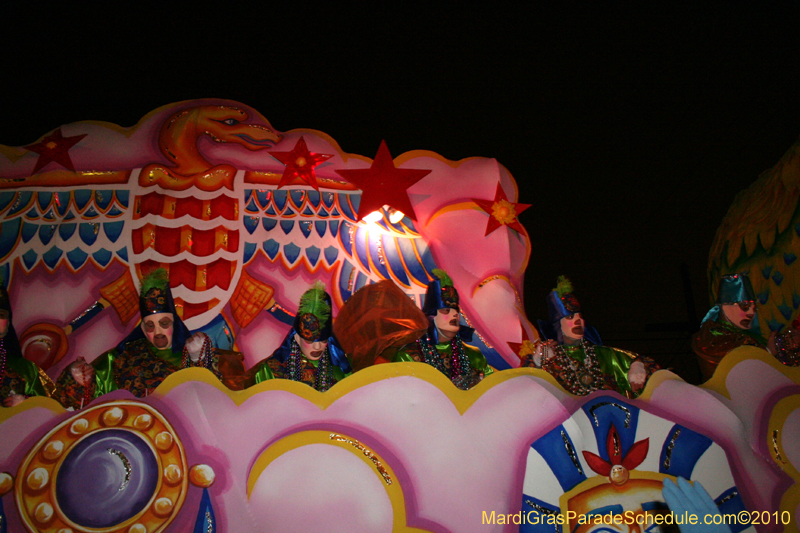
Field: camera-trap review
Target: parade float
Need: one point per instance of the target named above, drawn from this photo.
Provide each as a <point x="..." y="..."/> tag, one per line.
<point x="245" y="218"/>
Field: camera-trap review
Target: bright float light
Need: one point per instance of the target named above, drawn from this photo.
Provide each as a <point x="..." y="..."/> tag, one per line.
<point x="395" y="216"/>
<point x="391" y="213"/>
<point x="373" y="217"/>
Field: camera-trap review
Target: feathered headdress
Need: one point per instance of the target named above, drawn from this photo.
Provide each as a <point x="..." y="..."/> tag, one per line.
<point x="562" y="302"/>
<point x="313" y="320"/>
<point x="155" y="296"/>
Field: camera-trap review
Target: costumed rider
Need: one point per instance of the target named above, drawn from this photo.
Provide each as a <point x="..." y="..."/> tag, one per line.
<point x="573" y="352"/>
<point x="309" y="353"/>
<point x="161" y="346"/>
<point x="733" y="322"/>
<point x="443" y="346"/>
<point x="19" y="377"/>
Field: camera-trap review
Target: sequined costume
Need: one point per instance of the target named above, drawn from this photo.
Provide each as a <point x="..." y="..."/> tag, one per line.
<point x="465" y="365"/>
<point x="138" y="366"/>
<point x="440" y="356"/>
<point x="21" y="375"/>
<point x="321" y="374"/>
<point x="717" y="336"/>
<point x="582" y="365"/>
<point x="17" y="374"/>
<point x="312" y="325"/>
<point x="606" y="368"/>
<point x="716" y="339"/>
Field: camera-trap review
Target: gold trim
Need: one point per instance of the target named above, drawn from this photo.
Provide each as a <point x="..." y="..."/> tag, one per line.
<point x="304" y="438"/>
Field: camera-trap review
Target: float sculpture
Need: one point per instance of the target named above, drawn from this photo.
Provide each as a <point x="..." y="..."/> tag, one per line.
<point x="760" y="235"/>
<point x="245" y="217"/>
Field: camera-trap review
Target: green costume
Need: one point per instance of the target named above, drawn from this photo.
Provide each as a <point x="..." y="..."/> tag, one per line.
<point x="465" y="365"/>
<point x="308" y="371"/>
<point x="141" y="367"/>
<point x="717" y="336"/>
<point x="22" y="377"/>
<point x="442" y="358"/>
<point x="18" y="374"/>
<point x="716" y="339"/>
<point x="587" y="365"/>
<point x="605" y="368"/>
<point x="312" y="324"/>
<point x="136" y="365"/>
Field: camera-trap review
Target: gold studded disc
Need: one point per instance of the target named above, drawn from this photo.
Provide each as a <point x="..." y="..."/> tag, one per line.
<point x="36" y="480"/>
<point x="43" y="513"/>
<point x="143" y="422"/>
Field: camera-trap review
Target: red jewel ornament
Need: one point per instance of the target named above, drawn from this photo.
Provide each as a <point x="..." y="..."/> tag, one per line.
<point x="501" y="211"/>
<point x="384" y="184"/>
<point x="300" y="164"/>
<point x="54" y="148"/>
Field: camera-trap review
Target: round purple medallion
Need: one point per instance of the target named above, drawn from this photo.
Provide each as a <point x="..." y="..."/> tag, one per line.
<point x="107" y="478"/>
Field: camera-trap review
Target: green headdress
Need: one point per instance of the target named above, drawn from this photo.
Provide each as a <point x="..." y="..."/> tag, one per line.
<point x="444" y="278"/>
<point x="563" y="286"/>
<point x="313" y="320"/>
<point x="155" y="296"/>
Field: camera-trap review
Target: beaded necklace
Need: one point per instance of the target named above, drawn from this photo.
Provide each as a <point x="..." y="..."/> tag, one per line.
<point x="205" y="356"/>
<point x="87" y="396"/>
<point x="323" y="379"/>
<point x="459" y="365"/>
<point x="788" y="352"/>
<point x="3" y="357"/>
<point x="206" y="359"/>
<point x="579" y="378"/>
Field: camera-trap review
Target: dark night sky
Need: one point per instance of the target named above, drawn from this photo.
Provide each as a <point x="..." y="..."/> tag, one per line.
<point x="629" y="131"/>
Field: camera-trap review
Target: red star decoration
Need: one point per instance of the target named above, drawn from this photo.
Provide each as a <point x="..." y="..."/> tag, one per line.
<point x="501" y="211"/>
<point x="383" y="184"/>
<point x="300" y="163"/>
<point x="55" y="147"/>
<point x="522" y="348"/>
